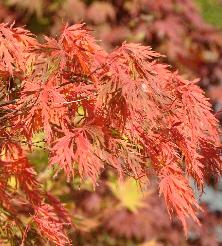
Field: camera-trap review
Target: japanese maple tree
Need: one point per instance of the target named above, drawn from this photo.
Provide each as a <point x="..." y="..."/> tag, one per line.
<point x="97" y="110"/>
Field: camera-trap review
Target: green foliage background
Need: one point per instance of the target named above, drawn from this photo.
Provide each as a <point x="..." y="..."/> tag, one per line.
<point x="211" y="11"/>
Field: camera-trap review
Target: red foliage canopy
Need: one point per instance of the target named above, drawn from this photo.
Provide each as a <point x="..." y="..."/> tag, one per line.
<point x="137" y="116"/>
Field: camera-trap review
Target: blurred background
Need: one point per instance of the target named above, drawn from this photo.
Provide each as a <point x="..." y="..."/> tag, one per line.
<point x="189" y="33"/>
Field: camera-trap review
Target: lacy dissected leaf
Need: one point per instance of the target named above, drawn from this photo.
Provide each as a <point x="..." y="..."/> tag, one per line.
<point x="14" y="43"/>
<point x="50" y="225"/>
